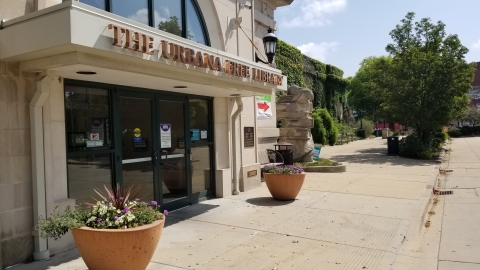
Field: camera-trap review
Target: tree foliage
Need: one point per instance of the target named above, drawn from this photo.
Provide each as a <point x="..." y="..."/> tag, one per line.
<point x="367" y="90"/>
<point x="429" y="78"/>
<point x="472" y="116"/>
<point x="423" y="83"/>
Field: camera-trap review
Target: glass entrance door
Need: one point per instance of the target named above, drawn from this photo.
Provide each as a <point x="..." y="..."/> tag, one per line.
<point x="174" y="169"/>
<point x="164" y="144"/>
<point x="139" y="154"/>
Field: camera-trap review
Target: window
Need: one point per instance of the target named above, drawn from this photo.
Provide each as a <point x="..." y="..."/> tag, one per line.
<point x="179" y="17"/>
<point x="89" y="140"/>
<point x="136" y="10"/>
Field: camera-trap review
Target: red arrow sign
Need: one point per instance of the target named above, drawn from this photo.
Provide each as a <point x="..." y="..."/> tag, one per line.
<point x="263" y="106"/>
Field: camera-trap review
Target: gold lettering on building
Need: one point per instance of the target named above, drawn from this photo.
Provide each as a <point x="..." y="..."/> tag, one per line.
<point x="136" y="41"/>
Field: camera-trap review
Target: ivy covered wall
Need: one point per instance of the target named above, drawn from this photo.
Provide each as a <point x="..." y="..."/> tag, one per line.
<point x="326" y="81"/>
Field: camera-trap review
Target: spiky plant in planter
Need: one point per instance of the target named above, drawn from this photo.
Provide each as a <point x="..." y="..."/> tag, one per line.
<point x="115" y="226"/>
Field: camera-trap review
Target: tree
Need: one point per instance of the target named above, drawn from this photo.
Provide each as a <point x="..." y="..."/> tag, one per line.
<point x="173" y="26"/>
<point x="367" y="90"/>
<point x="472" y="116"/>
<point x="429" y="76"/>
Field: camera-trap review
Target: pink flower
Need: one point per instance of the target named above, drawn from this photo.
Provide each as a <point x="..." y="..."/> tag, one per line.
<point x="165" y="212"/>
<point x="149" y="208"/>
<point x="99" y="219"/>
<point x="154" y="202"/>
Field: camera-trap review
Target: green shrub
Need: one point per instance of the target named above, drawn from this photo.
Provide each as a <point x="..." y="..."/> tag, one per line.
<point x="329" y="125"/>
<point x="412" y="147"/>
<point x="454" y="132"/>
<point x="319" y="133"/>
<point x="361" y="133"/>
<point x="344" y="128"/>
<point x="440" y="134"/>
<point x="367" y="125"/>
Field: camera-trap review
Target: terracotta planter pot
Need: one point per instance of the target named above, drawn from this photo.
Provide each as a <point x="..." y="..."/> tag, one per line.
<point x="105" y="249"/>
<point x="284" y="187"/>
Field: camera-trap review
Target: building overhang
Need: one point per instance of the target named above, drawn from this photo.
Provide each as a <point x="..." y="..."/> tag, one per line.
<point x="281" y="3"/>
<point x="72" y="37"/>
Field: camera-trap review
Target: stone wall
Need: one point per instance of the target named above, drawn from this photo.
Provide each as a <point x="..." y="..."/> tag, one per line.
<point x="16" y="212"/>
<point x="294" y="110"/>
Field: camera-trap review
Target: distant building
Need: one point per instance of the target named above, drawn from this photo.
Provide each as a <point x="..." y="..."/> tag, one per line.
<point x="474" y="94"/>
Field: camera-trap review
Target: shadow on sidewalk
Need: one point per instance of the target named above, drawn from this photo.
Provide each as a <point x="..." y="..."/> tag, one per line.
<point x="378" y="156"/>
<point x="188" y="212"/>
<point x="267" y="201"/>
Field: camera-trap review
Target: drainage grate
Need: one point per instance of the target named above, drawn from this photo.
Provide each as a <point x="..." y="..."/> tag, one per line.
<point x="442" y="192"/>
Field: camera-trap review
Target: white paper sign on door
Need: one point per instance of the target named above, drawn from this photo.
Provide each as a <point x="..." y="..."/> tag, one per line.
<point x="165" y="135"/>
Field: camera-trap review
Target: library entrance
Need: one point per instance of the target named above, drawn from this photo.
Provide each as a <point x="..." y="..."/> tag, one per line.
<point x="162" y="141"/>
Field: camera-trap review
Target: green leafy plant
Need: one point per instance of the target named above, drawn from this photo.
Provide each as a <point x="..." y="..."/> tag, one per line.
<point x="328" y="125"/>
<point x="320" y="162"/>
<point x="454" y="132"/>
<point x="361" y="133"/>
<point x="282" y="169"/>
<point x="113" y="211"/>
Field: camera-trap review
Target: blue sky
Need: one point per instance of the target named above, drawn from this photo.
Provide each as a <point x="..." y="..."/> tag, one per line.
<point x="344" y="32"/>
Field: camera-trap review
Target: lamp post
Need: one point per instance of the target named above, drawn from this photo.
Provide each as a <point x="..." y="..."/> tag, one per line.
<point x="270" y="45"/>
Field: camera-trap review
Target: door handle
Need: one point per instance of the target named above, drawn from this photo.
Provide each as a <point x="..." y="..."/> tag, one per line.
<point x="155" y="158"/>
<point x="166" y="154"/>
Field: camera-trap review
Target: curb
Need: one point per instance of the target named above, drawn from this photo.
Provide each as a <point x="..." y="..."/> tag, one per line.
<point x="418" y="218"/>
<point x="326" y="169"/>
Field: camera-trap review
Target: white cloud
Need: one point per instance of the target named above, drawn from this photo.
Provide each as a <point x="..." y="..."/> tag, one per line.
<point x="476" y="45"/>
<point x="140" y="16"/>
<point x="315" y="12"/>
<point x="318" y="51"/>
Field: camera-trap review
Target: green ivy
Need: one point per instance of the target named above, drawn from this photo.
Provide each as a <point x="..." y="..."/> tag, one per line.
<point x="325" y="81"/>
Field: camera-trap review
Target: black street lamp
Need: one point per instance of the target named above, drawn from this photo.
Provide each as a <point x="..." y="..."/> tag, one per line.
<point x="270" y="45"/>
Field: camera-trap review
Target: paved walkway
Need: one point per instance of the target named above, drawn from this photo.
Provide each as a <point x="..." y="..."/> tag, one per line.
<point x="452" y="240"/>
<point x="352" y="220"/>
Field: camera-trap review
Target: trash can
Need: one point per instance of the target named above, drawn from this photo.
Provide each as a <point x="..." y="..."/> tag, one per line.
<point x="393" y="146"/>
<point x="285" y="149"/>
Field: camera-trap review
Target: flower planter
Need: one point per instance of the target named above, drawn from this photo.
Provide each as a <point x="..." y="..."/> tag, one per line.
<point x="129" y="249"/>
<point x="284" y="187"/>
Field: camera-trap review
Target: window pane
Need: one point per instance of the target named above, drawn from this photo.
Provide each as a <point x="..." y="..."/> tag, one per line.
<point x="136" y="10"/>
<point x="168" y="16"/>
<point x="194" y="28"/>
<point x="137" y="141"/>
<point x="87" y="173"/>
<point x="199" y="121"/>
<point x="95" y="3"/>
<point x="200" y="167"/>
<point x="87" y="119"/>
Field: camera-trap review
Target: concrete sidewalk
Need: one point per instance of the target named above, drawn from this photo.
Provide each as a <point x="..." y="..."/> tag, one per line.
<point x="460" y="237"/>
<point x="352" y="220"/>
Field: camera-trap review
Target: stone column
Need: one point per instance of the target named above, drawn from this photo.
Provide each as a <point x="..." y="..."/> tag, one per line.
<point x="294" y="110"/>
